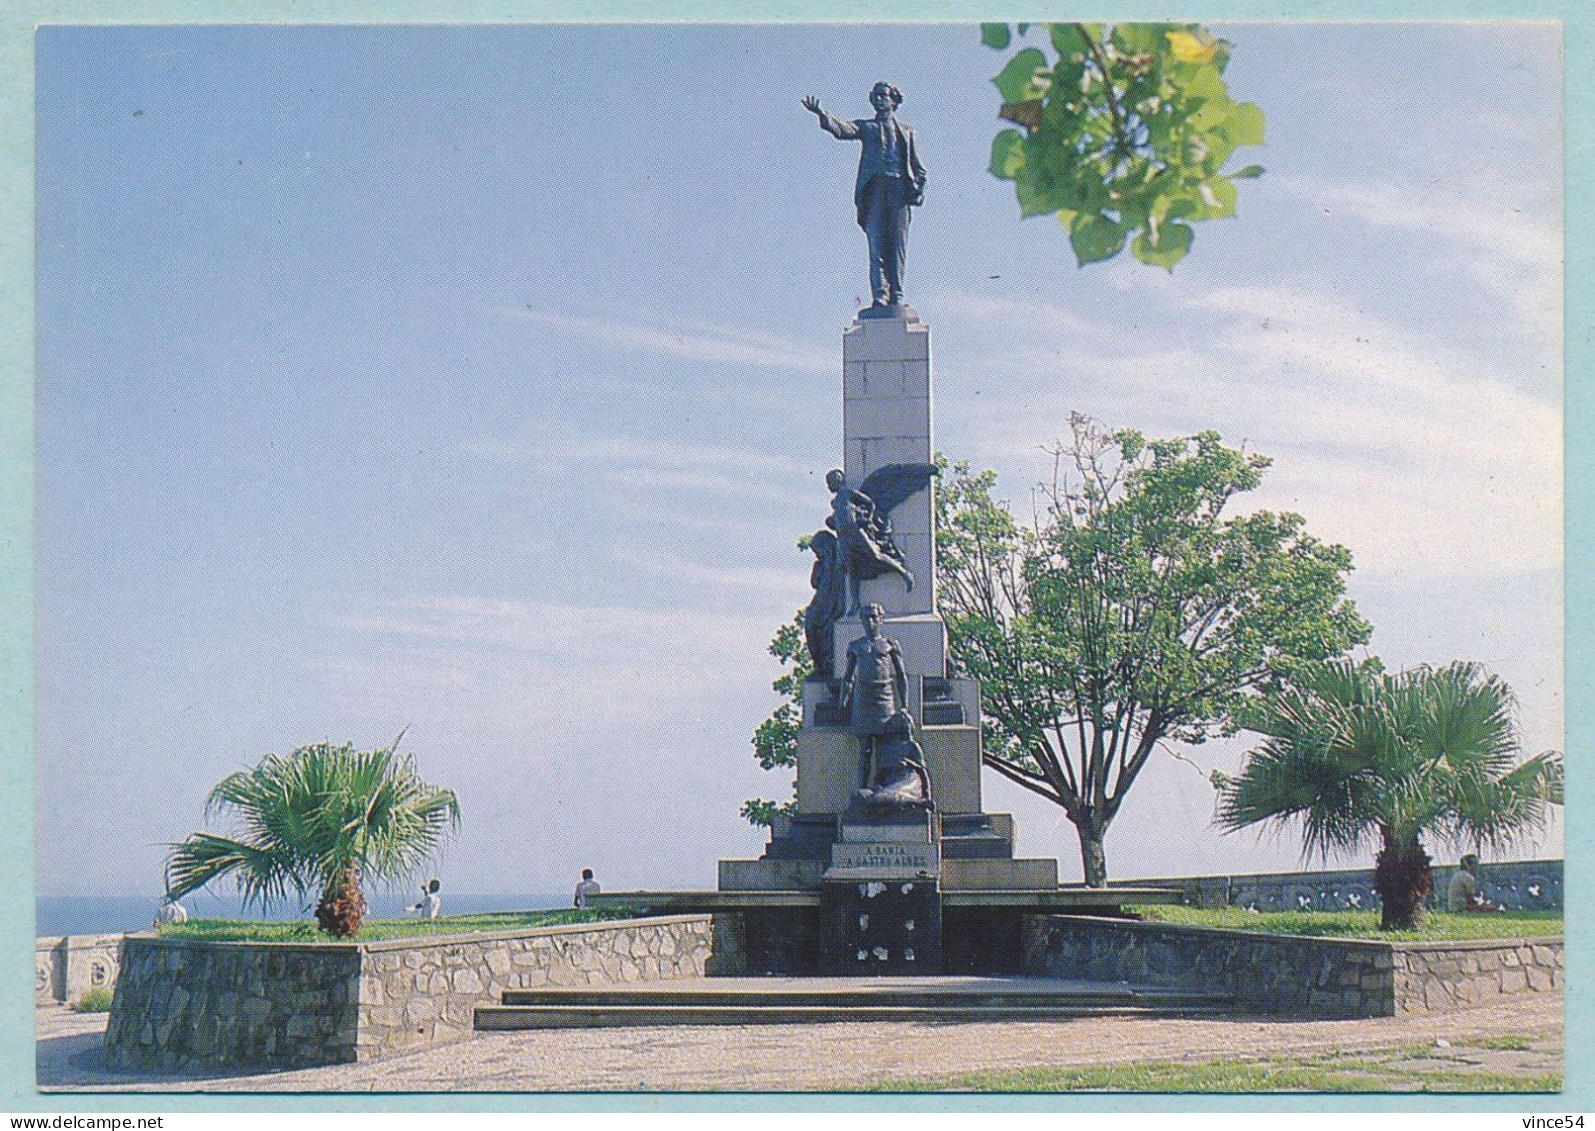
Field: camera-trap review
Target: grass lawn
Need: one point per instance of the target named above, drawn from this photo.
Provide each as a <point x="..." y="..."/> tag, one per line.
<point x="1466" y="1067"/>
<point x="377" y="930"/>
<point x="1439" y="926"/>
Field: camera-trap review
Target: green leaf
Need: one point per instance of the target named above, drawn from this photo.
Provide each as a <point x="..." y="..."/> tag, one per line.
<point x="1095" y="238"/>
<point x="1244" y="125"/>
<point x="1130" y="129"/>
<point x="1043" y="184"/>
<point x="1039" y="194"/>
<point x="1249" y="172"/>
<point x="1215" y="111"/>
<point x="1024" y="79"/>
<point x="1174" y="240"/>
<point x="1007" y="154"/>
<point x="1067" y="40"/>
<point x="1141" y="39"/>
<point x="1183" y="205"/>
<point x="1205" y="84"/>
<point x="995" y="35"/>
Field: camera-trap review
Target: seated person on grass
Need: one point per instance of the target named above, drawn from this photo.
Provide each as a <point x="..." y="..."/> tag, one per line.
<point x="1463" y="895"/>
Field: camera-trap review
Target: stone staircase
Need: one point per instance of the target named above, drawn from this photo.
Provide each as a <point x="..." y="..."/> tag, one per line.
<point x="798" y="1001"/>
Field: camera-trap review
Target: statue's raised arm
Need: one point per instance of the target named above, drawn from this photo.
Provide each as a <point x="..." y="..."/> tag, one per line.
<point x="891" y="180"/>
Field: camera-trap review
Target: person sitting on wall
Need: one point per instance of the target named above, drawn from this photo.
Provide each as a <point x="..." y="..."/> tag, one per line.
<point x="1463" y="894"/>
<point x="588" y="887"/>
<point x="170" y="911"/>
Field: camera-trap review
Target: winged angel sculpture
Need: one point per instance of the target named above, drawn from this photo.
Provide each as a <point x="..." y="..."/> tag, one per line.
<point x="857" y="546"/>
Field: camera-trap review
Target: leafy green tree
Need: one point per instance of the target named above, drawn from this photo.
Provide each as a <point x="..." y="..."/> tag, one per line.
<point x="324" y="816"/>
<point x="775" y="739"/>
<point x="1130" y="612"/>
<point x="1356" y="755"/>
<point x="1124" y="134"/>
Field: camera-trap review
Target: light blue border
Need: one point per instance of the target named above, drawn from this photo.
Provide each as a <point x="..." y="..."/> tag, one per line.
<point x="17" y="21"/>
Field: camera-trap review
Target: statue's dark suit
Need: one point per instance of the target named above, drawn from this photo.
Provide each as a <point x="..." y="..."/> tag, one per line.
<point x="890" y="181"/>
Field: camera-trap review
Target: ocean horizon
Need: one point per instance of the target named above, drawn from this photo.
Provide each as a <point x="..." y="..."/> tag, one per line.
<point x="56" y="915"/>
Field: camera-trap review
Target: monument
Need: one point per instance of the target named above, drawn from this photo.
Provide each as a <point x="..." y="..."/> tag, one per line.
<point x="889" y="829"/>
<point x="889" y="864"/>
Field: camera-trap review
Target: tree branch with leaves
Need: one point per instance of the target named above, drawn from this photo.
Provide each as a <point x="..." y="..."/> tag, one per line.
<point x="775" y="739"/>
<point x="1125" y="132"/>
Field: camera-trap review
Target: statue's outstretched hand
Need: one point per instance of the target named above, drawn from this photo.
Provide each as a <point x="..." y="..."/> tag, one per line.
<point x="812" y="105"/>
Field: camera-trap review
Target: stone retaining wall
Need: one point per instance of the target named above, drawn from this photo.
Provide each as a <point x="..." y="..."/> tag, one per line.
<point x="1432" y="978"/>
<point x="414" y="996"/>
<point x="187" y="1005"/>
<point x="1291" y="973"/>
<point x="67" y="967"/>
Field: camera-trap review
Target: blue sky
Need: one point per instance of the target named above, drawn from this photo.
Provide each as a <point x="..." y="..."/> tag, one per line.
<point x="479" y="380"/>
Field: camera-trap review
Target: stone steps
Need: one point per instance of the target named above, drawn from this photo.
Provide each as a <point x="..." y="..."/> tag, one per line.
<point x="791" y="1002"/>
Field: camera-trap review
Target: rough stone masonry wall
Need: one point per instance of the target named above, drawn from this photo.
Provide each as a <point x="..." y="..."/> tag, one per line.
<point x="1291" y="973"/>
<point x="188" y="1005"/>
<point x="414" y="996"/>
<point x="1432" y="978"/>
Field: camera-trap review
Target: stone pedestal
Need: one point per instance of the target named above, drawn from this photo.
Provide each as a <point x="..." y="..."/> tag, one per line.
<point x="880" y="882"/>
<point x="830" y="769"/>
<point x="880" y="927"/>
<point x="880" y="900"/>
<point x="886" y="419"/>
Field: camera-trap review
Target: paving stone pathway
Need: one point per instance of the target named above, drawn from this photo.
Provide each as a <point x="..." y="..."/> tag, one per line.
<point x="835" y="1057"/>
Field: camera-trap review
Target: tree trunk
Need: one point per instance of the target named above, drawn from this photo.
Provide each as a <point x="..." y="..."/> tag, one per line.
<point x="342" y="905"/>
<point x="1092" y="859"/>
<point x="1403" y="879"/>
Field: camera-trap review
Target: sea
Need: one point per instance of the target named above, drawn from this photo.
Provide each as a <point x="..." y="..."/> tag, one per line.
<point x="119" y="914"/>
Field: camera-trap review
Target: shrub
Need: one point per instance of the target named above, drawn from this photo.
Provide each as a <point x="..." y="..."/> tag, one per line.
<point x="95" y="999"/>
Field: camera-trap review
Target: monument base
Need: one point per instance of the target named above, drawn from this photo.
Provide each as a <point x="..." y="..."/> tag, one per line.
<point x="901" y="311"/>
<point x="887" y="926"/>
<point x="880" y="900"/>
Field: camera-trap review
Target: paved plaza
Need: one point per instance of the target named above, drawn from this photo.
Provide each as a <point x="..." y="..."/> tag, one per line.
<point x="834" y="1057"/>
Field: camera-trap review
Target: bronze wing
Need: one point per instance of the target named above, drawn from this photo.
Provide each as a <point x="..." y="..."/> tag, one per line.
<point x="890" y="485"/>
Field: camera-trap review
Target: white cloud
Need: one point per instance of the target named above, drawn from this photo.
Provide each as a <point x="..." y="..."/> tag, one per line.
<point x="688" y="338"/>
<point x="729" y="576"/>
<point x="1508" y="246"/>
<point x="1021" y="315"/>
<point x="554" y="450"/>
<point x="554" y="670"/>
<point x="566" y="632"/>
<point x="1411" y="452"/>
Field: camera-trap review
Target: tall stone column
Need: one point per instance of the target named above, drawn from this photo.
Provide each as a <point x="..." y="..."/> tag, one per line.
<point x="886" y="419"/>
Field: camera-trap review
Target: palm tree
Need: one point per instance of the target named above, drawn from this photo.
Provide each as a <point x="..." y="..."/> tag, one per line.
<point x="324" y="816"/>
<point x="1351" y="751"/>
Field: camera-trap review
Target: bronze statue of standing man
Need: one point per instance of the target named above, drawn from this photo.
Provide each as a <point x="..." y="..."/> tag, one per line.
<point x="890" y="181"/>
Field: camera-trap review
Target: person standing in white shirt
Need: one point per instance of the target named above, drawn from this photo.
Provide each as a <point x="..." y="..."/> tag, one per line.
<point x="431" y="905"/>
